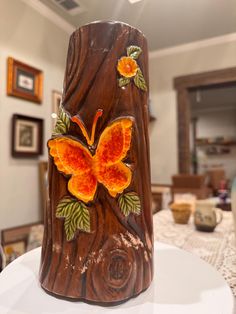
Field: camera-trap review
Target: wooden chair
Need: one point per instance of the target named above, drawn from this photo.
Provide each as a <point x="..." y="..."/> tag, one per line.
<point x="158" y="191"/>
<point x="191" y="183"/>
<point x="216" y="176"/>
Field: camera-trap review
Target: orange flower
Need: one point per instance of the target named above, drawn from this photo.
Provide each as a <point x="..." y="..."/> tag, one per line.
<point x="127" y="67"/>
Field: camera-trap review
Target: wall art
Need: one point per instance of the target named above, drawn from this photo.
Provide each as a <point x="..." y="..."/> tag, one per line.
<point x="24" y="81"/>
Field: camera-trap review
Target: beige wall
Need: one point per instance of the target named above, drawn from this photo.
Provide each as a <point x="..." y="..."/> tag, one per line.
<point x="31" y="38"/>
<point x="163" y="98"/>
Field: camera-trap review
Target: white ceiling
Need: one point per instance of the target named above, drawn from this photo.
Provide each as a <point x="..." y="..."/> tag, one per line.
<point x="165" y="23"/>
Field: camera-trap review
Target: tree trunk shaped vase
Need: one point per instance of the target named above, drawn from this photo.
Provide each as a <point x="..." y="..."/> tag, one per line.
<point x="98" y="240"/>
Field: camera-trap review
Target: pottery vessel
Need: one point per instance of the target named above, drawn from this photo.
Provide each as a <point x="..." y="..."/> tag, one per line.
<point x="206" y="216"/>
<point x="98" y="240"/>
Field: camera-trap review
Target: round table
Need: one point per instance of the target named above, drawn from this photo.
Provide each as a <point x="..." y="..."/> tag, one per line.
<point x="183" y="283"/>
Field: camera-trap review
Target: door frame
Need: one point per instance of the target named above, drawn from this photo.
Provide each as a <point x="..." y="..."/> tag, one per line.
<point x="182" y="85"/>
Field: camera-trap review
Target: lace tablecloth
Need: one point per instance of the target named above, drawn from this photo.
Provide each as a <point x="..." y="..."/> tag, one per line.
<point x="217" y="248"/>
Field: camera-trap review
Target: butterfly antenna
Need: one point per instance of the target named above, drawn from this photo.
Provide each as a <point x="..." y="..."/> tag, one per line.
<point x="82" y="128"/>
<point x="79" y="122"/>
<point x="95" y="120"/>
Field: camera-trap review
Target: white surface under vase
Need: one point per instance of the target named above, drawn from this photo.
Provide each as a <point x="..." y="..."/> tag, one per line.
<point x="182" y="284"/>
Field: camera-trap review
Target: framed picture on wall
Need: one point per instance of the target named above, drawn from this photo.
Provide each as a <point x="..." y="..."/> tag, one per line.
<point x="24" y="81"/>
<point x="27" y="136"/>
<point x="56" y="101"/>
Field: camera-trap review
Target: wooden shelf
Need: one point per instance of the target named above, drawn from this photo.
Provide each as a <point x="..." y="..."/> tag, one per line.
<point x="216" y="144"/>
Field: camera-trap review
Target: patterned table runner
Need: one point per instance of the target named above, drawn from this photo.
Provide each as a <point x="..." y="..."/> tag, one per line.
<point x="217" y="248"/>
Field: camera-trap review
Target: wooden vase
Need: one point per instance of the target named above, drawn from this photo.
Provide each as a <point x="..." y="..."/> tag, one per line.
<point x="98" y="239"/>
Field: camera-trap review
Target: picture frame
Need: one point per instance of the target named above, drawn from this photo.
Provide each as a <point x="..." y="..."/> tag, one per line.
<point x="17" y="240"/>
<point x="35" y="237"/>
<point x="27" y="136"/>
<point x="24" y="81"/>
<point x="17" y="233"/>
<point x="56" y="101"/>
<point x="12" y="250"/>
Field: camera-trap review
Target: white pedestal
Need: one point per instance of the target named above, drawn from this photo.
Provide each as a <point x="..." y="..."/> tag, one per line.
<point x="183" y="283"/>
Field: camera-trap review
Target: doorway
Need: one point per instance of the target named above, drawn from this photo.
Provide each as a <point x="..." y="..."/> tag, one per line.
<point x="184" y="86"/>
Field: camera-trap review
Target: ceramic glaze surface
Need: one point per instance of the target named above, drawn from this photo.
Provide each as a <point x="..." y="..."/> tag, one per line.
<point x="98" y="241"/>
<point x="206" y="216"/>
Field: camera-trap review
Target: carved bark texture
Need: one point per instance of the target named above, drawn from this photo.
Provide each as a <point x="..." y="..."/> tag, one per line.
<point x="115" y="261"/>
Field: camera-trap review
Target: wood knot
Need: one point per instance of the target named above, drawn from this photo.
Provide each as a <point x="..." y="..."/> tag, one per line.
<point x="118" y="268"/>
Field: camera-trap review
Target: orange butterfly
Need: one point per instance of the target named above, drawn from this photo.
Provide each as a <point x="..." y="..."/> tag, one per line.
<point x="73" y="158"/>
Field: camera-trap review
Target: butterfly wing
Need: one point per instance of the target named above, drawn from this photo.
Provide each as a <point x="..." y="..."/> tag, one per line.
<point x="114" y="142"/>
<point x="112" y="148"/>
<point x="115" y="178"/>
<point x="72" y="158"/>
<point x="83" y="186"/>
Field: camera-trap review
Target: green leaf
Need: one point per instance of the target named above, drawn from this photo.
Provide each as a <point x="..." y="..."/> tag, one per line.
<point x="64" y="207"/>
<point x="130" y="203"/>
<point x="134" y="51"/>
<point x="82" y="218"/>
<point x="76" y="216"/>
<point x="63" y="123"/>
<point x="123" y="81"/>
<point x="139" y="80"/>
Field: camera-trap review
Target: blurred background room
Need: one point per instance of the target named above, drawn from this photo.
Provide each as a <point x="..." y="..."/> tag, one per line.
<point x="192" y="106"/>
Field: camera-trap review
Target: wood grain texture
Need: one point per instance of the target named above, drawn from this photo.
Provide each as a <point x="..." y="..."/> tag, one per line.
<point x="184" y="131"/>
<point x="115" y="261"/>
<point x="222" y="76"/>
